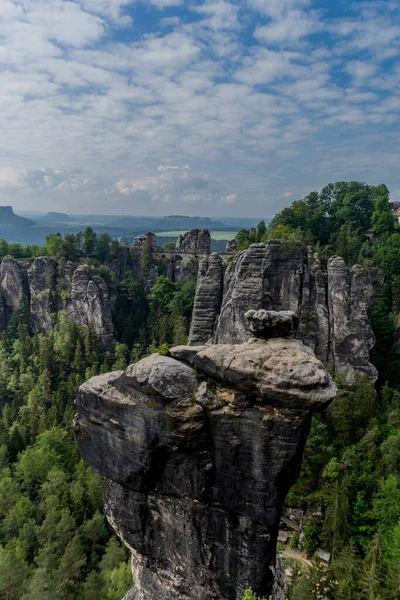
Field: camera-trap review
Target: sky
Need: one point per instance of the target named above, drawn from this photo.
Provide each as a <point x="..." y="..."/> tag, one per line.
<point x="211" y="107"/>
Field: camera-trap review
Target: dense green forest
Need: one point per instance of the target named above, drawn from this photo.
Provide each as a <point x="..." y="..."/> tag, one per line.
<point x="350" y="479"/>
<point x="55" y="543"/>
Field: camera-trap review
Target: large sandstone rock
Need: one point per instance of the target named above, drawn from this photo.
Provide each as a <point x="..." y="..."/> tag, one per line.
<point x="196" y="241"/>
<point x="14" y="289"/>
<point x="197" y="461"/>
<point x="267" y="276"/>
<point x="185" y="268"/>
<point x="331" y="304"/>
<point x="90" y="303"/>
<point x="231" y="247"/>
<point x="349" y="295"/>
<point x="45" y="289"/>
<point x="42" y="277"/>
<point x="208" y="299"/>
<point x="148" y="239"/>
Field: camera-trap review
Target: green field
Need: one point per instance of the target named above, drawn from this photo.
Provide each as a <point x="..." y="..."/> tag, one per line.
<point x="215" y="235"/>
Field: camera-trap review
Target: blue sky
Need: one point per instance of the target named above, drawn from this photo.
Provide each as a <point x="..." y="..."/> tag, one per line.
<point x="209" y="107"/>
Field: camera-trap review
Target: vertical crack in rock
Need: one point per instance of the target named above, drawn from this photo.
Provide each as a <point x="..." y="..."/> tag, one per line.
<point x="198" y="450"/>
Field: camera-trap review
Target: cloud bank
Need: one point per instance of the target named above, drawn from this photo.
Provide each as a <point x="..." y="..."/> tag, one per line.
<point x="201" y="107"/>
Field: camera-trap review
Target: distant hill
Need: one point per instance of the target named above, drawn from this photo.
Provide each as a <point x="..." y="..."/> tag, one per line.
<point x="56" y="217"/>
<point x="8" y="217"/>
<point x="182" y="222"/>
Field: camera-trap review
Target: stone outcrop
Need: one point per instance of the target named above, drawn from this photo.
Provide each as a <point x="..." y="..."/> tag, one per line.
<point x="349" y="295"/>
<point x="42" y="285"/>
<point x="44" y="289"/>
<point x="90" y="303"/>
<point x="208" y="299"/>
<point x="231" y="247"/>
<point x="267" y="276"/>
<point x="186" y="268"/>
<point x="331" y="304"/>
<point x="148" y="239"/>
<point x="14" y="289"/>
<point x="196" y="241"/>
<point x="198" y="450"/>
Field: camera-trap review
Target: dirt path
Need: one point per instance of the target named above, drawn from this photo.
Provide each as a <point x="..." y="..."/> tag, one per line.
<point x="296" y="555"/>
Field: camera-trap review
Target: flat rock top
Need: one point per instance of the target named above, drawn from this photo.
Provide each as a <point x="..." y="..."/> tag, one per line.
<point x="277" y="371"/>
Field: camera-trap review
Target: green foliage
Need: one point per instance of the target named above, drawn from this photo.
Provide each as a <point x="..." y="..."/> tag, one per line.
<point x="89" y="245"/>
<point x="170" y="246"/>
<point x="54" y="540"/>
<point x="339" y="215"/>
<point x="250" y="595"/>
<point x="351" y="468"/>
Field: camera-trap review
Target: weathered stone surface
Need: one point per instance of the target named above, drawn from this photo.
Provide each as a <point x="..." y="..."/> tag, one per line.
<point x="42" y="277"/>
<point x="271" y="324"/>
<point x="159" y="376"/>
<point x="261" y="368"/>
<point x="185" y="353"/>
<point x="231" y="247"/>
<point x="196" y="241"/>
<point x="149" y="239"/>
<point x="208" y="299"/>
<point x="265" y="276"/>
<point x="185" y="269"/>
<point x="197" y="468"/>
<point x="14" y="289"/>
<point x="349" y="296"/>
<point x="314" y="327"/>
<point x="331" y="303"/>
<point x="90" y="303"/>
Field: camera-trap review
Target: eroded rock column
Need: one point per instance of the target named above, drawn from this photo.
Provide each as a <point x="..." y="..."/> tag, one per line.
<point x="199" y="450"/>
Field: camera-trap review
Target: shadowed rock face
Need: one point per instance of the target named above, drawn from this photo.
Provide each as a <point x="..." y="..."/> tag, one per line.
<point x="196" y="241"/>
<point x="42" y="286"/>
<point x="14" y="289"/>
<point x="208" y="299"/>
<point x="331" y="305"/>
<point x="90" y="303"/>
<point x="198" y="461"/>
<point x="44" y="289"/>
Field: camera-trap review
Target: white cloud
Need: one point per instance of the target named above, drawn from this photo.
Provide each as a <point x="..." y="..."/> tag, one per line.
<point x="97" y="108"/>
<point x="220" y="14"/>
<point x="230" y="199"/>
<point x="172" y="168"/>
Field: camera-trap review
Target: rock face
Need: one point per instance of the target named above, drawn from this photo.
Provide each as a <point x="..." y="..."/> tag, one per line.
<point x="198" y="460"/>
<point x="231" y="247"/>
<point x="350" y="294"/>
<point x="267" y="276"/>
<point x="42" y="286"/>
<point x="331" y="304"/>
<point x="270" y="324"/>
<point x="14" y="288"/>
<point x="148" y="239"/>
<point x="44" y="289"/>
<point x="196" y="241"/>
<point x="90" y="303"/>
<point x="208" y="299"/>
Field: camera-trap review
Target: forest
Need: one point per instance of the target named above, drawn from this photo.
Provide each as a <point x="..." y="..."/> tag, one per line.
<point x="55" y="542"/>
